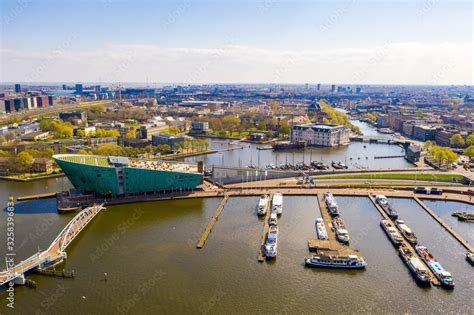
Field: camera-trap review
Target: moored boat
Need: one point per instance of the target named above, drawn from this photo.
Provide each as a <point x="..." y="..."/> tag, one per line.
<point x="443" y="276"/>
<point x="271" y="245"/>
<point x="273" y="219"/>
<point x="262" y="205"/>
<point x="339" y="165"/>
<point x="470" y="258"/>
<point x="383" y="202"/>
<point x="406" y="232"/>
<point x="464" y="216"/>
<point x="416" y="267"/>
<point x="391" y="232"/>
<point x="341" y="232"/>
<point x="321" y="229"/>
<point x="277" y="203"/>
<point x="331" y="204"/>
<point x="342" y="262"/>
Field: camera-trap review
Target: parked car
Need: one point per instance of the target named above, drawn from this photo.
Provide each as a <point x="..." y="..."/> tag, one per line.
<point x="421" y="190"/>
<point x="436" y="191"/>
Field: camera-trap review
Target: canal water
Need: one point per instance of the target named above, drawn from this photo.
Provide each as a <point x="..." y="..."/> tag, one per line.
<point x="354" y="155"/>
<point x="148" y="252"/>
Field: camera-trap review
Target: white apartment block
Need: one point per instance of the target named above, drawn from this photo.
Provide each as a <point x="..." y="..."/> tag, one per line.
<point x="320" y="135"/>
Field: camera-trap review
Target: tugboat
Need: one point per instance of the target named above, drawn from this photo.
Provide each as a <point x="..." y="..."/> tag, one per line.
<point x="470" y="258"/>
<point x="391" y="232"/>
<point x="341" y="231"/>
<point x="406" y="232"/>
<point x="342" y="262"/>
<point x="443" y="276"/>
<point x="321" y="229"/>
<point x="464" y="216"/>
<point x="331" y="204"/>
<point x="277" y="203"/>
<point x="262" y="205"/>
<point x="271" y="245"/>
<point x="417" y="269"/>
<point x="383" y="202"/>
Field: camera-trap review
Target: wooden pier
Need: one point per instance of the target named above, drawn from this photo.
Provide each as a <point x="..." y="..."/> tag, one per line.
<point x="458" y="237"/>
<point x="214" y="219"/>
<point x="266" y="227"/>
<point x="37" y="196"/>
<point x="434" y="280"/>
<point x="56" y="273"/>
<point x="331" y="244"/>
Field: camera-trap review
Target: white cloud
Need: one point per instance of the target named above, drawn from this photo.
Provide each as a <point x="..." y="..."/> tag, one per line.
<point x="407" y="63"/>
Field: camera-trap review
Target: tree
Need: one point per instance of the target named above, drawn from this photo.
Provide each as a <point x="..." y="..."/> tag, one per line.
<point x="109" y="149"/>
<point x="284" y="129"/>
<point x="24" y="161"/>
<point x="80" y="133"/>
<point x="112" y="133"/>
<point x="230" y="123"/>
<point x="4" y="153"/>
<point x="262" y="125"/>
<point x="48" y="152"/>
<point x="163" y="148"/>
<point x="469" y="140"/>
<point x="428" y="145"/>
<point x="442" y="155"/>
<point x="469" y="151"/>
<point x="172" y="130"/>
<point x="132" y="134"/>
<point x="370" y="116"/>
<point x="457" y="140"/>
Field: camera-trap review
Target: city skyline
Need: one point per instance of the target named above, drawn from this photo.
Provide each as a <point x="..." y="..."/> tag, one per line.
<point x="193" y="42"/>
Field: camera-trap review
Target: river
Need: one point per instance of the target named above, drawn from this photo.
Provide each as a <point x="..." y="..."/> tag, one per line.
<point x="148" y="252"/>
<point x="354" y="155"/>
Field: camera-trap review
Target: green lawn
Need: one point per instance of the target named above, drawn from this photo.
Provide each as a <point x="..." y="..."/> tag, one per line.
<point x="415" y="176"/>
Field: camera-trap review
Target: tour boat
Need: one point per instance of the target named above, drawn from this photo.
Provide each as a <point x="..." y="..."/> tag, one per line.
<point x="443" y="276"/>
<point x="331" y="204"/>
<point x="391" y="232"/>
<point x="277" y="203"/>
<point x="383" y="202"/>
<point x="406" y="232"/>
<point x="470" y="258"/>
<point x="262" y="205"/>
<point x="271" y="245"/>
<point x="416" y="267"/>
<point x="321" y="229"/>
<point x="328" y="261"/>
<point x="464" y="216"/>
<point x="341" y="232"/>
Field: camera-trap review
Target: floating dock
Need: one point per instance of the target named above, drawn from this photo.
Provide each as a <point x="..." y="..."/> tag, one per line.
<point x="38" y="196"/>
<point x="331" y="244"/>
<point x="266" y="227"/>
<point x="214" y="219"/>
<point x="458" y="237"/>
<point x="434" y="280"/>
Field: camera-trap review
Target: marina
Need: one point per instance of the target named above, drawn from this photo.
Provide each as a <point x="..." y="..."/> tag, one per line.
<point x="229" y="221"/>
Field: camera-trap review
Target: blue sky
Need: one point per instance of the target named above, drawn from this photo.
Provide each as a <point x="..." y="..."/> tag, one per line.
<point x="191" y="41"/>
